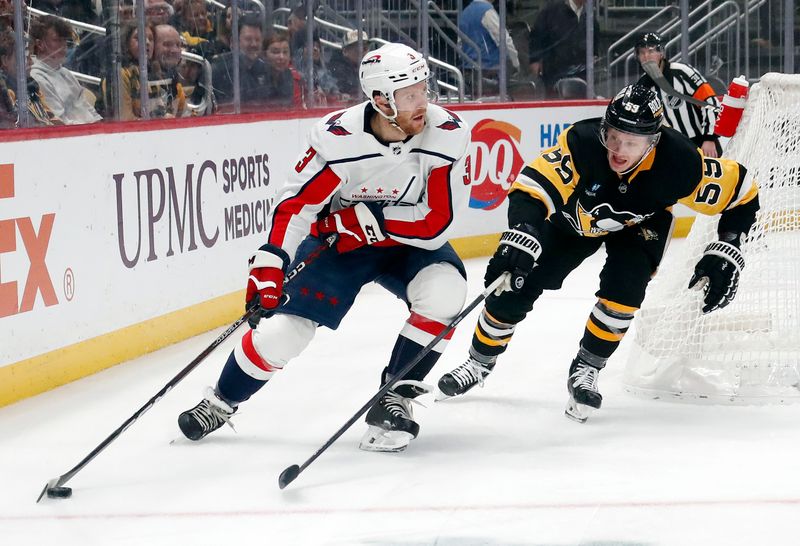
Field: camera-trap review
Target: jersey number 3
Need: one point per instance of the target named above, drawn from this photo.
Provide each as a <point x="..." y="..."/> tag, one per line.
<point x="309" y="155"/>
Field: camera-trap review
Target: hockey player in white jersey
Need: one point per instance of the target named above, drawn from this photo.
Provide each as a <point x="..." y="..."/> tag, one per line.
<point x="387" y="177"/>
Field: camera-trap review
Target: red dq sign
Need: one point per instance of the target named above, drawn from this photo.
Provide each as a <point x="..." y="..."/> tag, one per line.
<point x="496" y="162"/>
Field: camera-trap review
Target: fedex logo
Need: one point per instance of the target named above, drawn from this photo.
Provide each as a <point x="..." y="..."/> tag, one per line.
<point x="35" y="241"/>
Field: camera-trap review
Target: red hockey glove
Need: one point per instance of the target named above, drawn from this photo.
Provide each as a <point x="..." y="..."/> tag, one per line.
<point x="268" y="265"/>
<point x="359" y="225"/>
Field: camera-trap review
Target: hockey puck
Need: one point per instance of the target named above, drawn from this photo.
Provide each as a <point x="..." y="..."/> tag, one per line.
<point x="60" y="492"/>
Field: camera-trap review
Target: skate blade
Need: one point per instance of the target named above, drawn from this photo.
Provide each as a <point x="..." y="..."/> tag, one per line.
<point x="578" y="412"/>
<point x="377" y="439"/>
<point x="439" y="396"/>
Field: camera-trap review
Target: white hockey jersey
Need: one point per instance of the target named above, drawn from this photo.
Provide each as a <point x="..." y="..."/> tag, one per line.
<point x="421" y="183"/>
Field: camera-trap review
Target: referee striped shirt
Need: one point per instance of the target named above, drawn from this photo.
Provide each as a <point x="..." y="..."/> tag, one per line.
<point x="691" y="120"/>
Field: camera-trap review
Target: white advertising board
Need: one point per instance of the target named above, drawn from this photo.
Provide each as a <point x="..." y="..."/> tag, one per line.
<point x="102" y="231"/>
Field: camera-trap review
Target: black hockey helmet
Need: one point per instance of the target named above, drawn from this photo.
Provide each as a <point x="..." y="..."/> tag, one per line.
<point x="649" y="39"/>
<point x="636" y="109"/>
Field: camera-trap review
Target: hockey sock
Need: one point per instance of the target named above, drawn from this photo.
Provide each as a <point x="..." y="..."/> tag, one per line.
<point x="404" y="352"/>
<point x="587" y="357"/>
<point x="491" y="336"/>
<point x="235" y="386"/>
<point x="607" y="325"/>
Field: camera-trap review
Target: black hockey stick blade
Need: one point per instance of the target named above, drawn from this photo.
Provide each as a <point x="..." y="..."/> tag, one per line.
<point x="291" y="472"/>
<point x="54" y="489"/>
<point x="651" y="69"/>
<point x="288" y="476"/>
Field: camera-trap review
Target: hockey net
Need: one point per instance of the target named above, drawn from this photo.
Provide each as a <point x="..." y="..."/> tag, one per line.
<point x="749" y="351"/>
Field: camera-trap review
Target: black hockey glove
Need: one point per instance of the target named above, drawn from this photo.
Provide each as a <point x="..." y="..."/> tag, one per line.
<point x="717" y="273"/>
<point x="518" y="251"/>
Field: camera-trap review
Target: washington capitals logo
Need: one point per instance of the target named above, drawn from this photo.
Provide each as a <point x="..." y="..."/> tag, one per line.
<point x="371" y="60"/>
<point x="335" y="126"/>
<point x="451" y="124"/>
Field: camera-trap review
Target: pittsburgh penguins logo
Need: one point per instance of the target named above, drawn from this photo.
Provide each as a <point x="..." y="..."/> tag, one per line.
<point x="602" y="219"/>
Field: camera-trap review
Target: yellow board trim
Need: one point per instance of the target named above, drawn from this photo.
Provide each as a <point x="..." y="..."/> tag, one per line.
<point x="47" y="371"/>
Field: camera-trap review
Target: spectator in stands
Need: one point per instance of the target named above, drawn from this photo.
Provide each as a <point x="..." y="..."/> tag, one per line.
<point x="253" y="76"/>
<point x="222" y="38"/>
<point x="344" y="66"/>
<point x="195" y="27"/>
<point x="285" y="85"/>
<point x="481" y="23"/>
<point x="167" y="47"/>
<point x="131" y="102"/>
<point x="6" y="14"/>
<point x="68" y="100"/>
<point x="325" y="88"/>
<point x="41" y="114"/>
<point x="296" y="27"/>
<point x="158" y="12"/>
<point x="166" y="59"/>
<point x="693" y="121"/>
<point x="557" y="47"/>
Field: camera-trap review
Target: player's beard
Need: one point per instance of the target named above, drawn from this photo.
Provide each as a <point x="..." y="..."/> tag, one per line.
<point x="412" y="123"/>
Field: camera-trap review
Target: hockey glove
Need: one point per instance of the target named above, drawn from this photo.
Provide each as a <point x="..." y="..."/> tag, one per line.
<point x="717" y="273"/>
<point x="357" y="226"/>
<point x="268" y="265"/>
<point x="518" y="251"/>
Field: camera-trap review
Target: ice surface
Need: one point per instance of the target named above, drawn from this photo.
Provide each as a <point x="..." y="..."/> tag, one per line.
<point x="501" y="465"/>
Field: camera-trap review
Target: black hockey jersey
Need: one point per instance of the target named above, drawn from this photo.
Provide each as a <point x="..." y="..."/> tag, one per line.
<point x="581" y="193"/>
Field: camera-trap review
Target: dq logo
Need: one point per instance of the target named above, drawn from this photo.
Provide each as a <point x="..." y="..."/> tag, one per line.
<point x="35" y="242"/>
<point x="496" y="162"/>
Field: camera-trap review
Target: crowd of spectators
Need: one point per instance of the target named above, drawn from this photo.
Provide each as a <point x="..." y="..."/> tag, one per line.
<point x="272" y="65"/>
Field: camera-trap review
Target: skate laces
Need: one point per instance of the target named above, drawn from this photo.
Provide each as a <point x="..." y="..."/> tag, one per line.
<point x="470" y="372"/>
<point x="212" y="412"/>
<point x="400" y="405"/>
<point x="585" y="377"/>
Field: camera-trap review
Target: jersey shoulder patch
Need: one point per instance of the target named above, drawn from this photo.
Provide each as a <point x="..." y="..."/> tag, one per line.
<point x="446" y="132"/>
<point x="333" y="134"/>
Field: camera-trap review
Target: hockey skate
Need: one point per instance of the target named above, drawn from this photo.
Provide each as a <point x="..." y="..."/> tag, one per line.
<point x="206" y="417"/>
<point x="584" y="397"/>
<point x="460" y="380"/>
<point x="391" y="419"/>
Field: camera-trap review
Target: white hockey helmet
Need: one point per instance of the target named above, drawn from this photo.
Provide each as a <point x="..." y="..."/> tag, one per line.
<point x="389" y="68"/>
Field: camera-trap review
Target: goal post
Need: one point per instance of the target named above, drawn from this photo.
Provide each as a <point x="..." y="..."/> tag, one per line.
<point x="749" y="351"/>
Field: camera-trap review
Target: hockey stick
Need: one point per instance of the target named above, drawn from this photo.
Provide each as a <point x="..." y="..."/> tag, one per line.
<point x="291" y="472"/>
<point x="652" y="70"/>
<point x="55" y="487"/>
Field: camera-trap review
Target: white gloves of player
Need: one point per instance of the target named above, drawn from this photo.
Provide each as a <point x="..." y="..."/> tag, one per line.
<point x="717" y="273"/>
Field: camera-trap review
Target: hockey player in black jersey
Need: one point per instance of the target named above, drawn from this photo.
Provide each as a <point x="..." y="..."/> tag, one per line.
<point x="614" y="181"/>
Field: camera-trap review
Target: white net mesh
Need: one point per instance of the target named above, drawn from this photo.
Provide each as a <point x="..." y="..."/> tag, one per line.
<point x="748" y="352"/>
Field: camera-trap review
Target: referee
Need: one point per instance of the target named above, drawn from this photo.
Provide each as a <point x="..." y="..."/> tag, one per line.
<point x="694" y="122"/>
